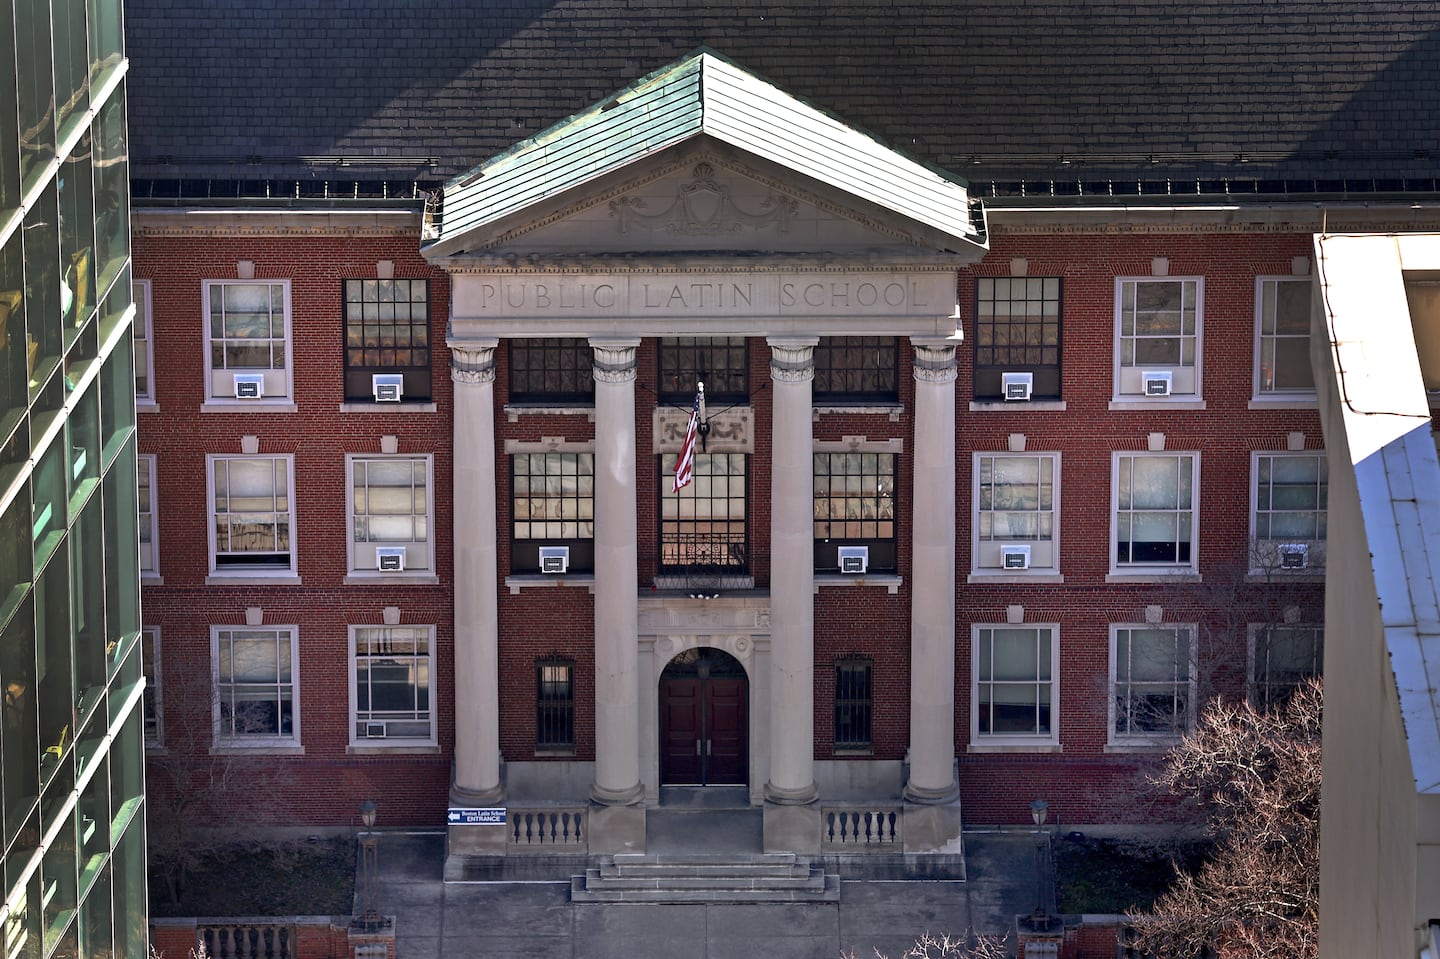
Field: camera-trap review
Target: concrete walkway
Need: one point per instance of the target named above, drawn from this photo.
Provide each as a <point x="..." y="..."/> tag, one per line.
<point x="507" y="918"/>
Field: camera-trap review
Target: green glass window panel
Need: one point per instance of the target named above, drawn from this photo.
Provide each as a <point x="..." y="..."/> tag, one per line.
<point x="122" y="538"/>
<point x="112" y="192"/>
<point x="72" y="63"/>
<point x="48" y="510"/>
<point x="77" y="239"/>
<point x="87" y="563"/>
<point x="20" y="730"/>
<point x="9" y="119"/>
<point x="96" y="925"/>
<point x="14" y="349"/>
<point x="58" y="890"/>
<point x="92" y="824"/>
<point x="83" y="438"/>
<point x="107" y="39"/>
<point x="42" y="289"/>
<point x="54" y="664"/>
<point x="36" y="88"/>
<point x="131" y="925"/>
<point x="23" y="936"/>
<point x="117" y="400"/>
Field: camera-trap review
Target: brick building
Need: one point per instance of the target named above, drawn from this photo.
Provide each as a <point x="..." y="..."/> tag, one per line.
<point x="1010" y="454"/>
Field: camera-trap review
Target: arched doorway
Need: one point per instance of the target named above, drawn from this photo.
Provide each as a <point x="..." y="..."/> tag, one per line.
<point x="704" y="707"/>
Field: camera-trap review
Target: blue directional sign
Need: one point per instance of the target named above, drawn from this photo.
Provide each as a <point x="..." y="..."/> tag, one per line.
<point x="459" y="816"/>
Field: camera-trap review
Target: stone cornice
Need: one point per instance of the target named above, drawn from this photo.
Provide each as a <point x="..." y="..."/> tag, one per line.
<point x="1236" y="218"/>
<point x="258" y="221"/>
<point x="686" y="263"/>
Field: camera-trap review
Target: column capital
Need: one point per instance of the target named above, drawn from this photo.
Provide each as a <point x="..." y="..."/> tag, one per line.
<point x="472" y="362"/>
<point x="792" y="358"/>
<point x="614" y="358"/>
<point x="934" y="358"/>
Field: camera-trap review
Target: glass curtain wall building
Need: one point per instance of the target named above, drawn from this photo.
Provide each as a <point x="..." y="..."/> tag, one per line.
<point x="71" y="738"/>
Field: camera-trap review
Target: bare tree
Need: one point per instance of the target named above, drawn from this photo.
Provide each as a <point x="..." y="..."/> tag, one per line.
<point x="1257" y="777"/>
<point x="968" y="946"/>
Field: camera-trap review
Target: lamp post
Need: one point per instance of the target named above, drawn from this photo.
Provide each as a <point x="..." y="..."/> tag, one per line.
<point x="1040" y="917"/>
<point x="369" y="861"/>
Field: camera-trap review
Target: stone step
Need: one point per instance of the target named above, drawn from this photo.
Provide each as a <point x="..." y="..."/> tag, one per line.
<point x="778" y="865"/>
<point x="758" y="878"/>
<point x="827" y="890"/>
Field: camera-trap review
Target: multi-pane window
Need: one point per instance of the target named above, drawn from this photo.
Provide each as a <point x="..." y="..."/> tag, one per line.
<point x="392" y="684"/>
<point x="144" y="341"/>
<point x="553" y="499"/>
<point x="703" y="525"/>
<point x="1157" y="337"/>
<point x="252" y="514"/>
<point x="387" y="330"/>
<point x="1152" y="681"/>
<point x="717" y="361"/>
<point x="1281" y="658"/>
<point x="1282" y="338"/>
<point x="247" y="333"/>
<point x="1017" y="502"/>
<point x="1017" y="330"/>
<point x="557" y="369"/>
<point x="854" y="702"/>
<point x="145" y="495"/>
<point x="854" y="506"/>
<point x="1291" y="490"/>
<point x="390" y="514"/>
<point x="555" y="705"/>
<point x="856" y="369"/>
<point x="255" y="685"/>
<point x="1016" y="670"/>
<point x="1155" y="509"/>
<point x="150" y="660"/>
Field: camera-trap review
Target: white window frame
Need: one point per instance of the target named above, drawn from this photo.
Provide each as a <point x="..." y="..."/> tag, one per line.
<point x="1148" y="737"/>
<point x="224" y="740"/>
<point x="985" y="559"/>
<point x="1303" y="396"/>
<point x="240" y="569"/>
<point x="149" y="552"/>
<point x="1051" y="738"/>
<point x="220" y="383"/>
<point x="150" y="636"/>
<point x="1257" y="662"/>
<point x="1155" y="569"/>
<point x="1187" y="381"/>
<point x="143" y="333"/>
<point x="357" y="740"/>
<point x="419" y="553"/>
<point x="1265" y="553"/>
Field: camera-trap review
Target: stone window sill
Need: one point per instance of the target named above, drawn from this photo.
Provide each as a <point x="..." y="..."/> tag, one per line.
<point x="251" y="579"/>
<point x="1018" y="406"/>
<point x="363" y="579"/>
<point x="248" y="406"/>
<point x="352" y="407"/>
<point x="522" y="581"/>
<point x="1042" y="577"/>
<point x="890" y="581"/>
<point x="1144" y="405"/>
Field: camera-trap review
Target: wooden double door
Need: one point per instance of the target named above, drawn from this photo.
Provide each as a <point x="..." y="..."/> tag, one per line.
<point x="704" y="729"/>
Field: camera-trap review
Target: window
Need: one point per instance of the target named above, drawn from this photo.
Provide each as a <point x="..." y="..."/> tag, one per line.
<point x="552" y="370"/>
<point x="854" y="703"/>
<point x="1157" y="338"/>
<point x="387" y="330"/>
<point x="144" y="345"/>
<point x="553" y="504"/>
<point x="390" y="514"/>
<point x="252" y="514"/>
<point x="1152" y="682"/>
<point x="851" y="369"/>
<point x="1281" y="658"/>
<point x="1017" y="505"/>
<point x="555" y="705"/>
<point x="854" y="506"/>
<point x="391" y="668"/>
<point x="717" y="361"/>
<point x="1282" y="338"/>
<point x="150" y="660"/>
<point x="703" y="525"/>
<point x="1017" y="330"/>
<point x="1016" y="671"/>
<point x="1154" y="521"/>
<point x="255" y="689"/>
<point x="1288" y="516"/>
<point x="247" y="332"/>
<point x="149" y="541"/>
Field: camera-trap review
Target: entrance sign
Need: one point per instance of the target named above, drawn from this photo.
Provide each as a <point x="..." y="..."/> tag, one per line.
<point x="458" y="816"/>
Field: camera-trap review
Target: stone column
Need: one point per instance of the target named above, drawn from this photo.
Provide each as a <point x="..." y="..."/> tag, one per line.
<point x="932" y="576"/>
<point x="477" y="671"/>
<point x="617" y="618"/>
<point x="792" y="580"/>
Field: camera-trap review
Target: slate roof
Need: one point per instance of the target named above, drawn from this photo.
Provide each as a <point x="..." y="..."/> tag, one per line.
<point x="996" y="90"/>
<point x="703" y="95"/>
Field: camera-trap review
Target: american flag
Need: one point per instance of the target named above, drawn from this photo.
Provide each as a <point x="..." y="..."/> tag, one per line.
<point x="685" y="462"/>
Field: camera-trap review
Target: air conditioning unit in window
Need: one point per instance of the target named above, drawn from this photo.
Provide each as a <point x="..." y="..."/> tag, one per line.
<point x="1294" y="556"/>
<point x="1157" y="382"/>
<point x="854" y="559"/>
<point x="249" y="386"/>
<point x="387" y="387"/>
<point x="390" y="559"/>
<point x="374" y="730"/>
<point x="1015" y="556"/>
<point x="554" y="559"/>
<point x="1017" y="386"/>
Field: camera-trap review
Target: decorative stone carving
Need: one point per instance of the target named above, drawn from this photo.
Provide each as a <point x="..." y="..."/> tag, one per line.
<point x="792" y="360"/>
<point x="731" y="430"/>
<point x="704" y="207"/>
<point x="934" y="362"/>
<point x="614" y="361"/>
<point x="472" y="365"/>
